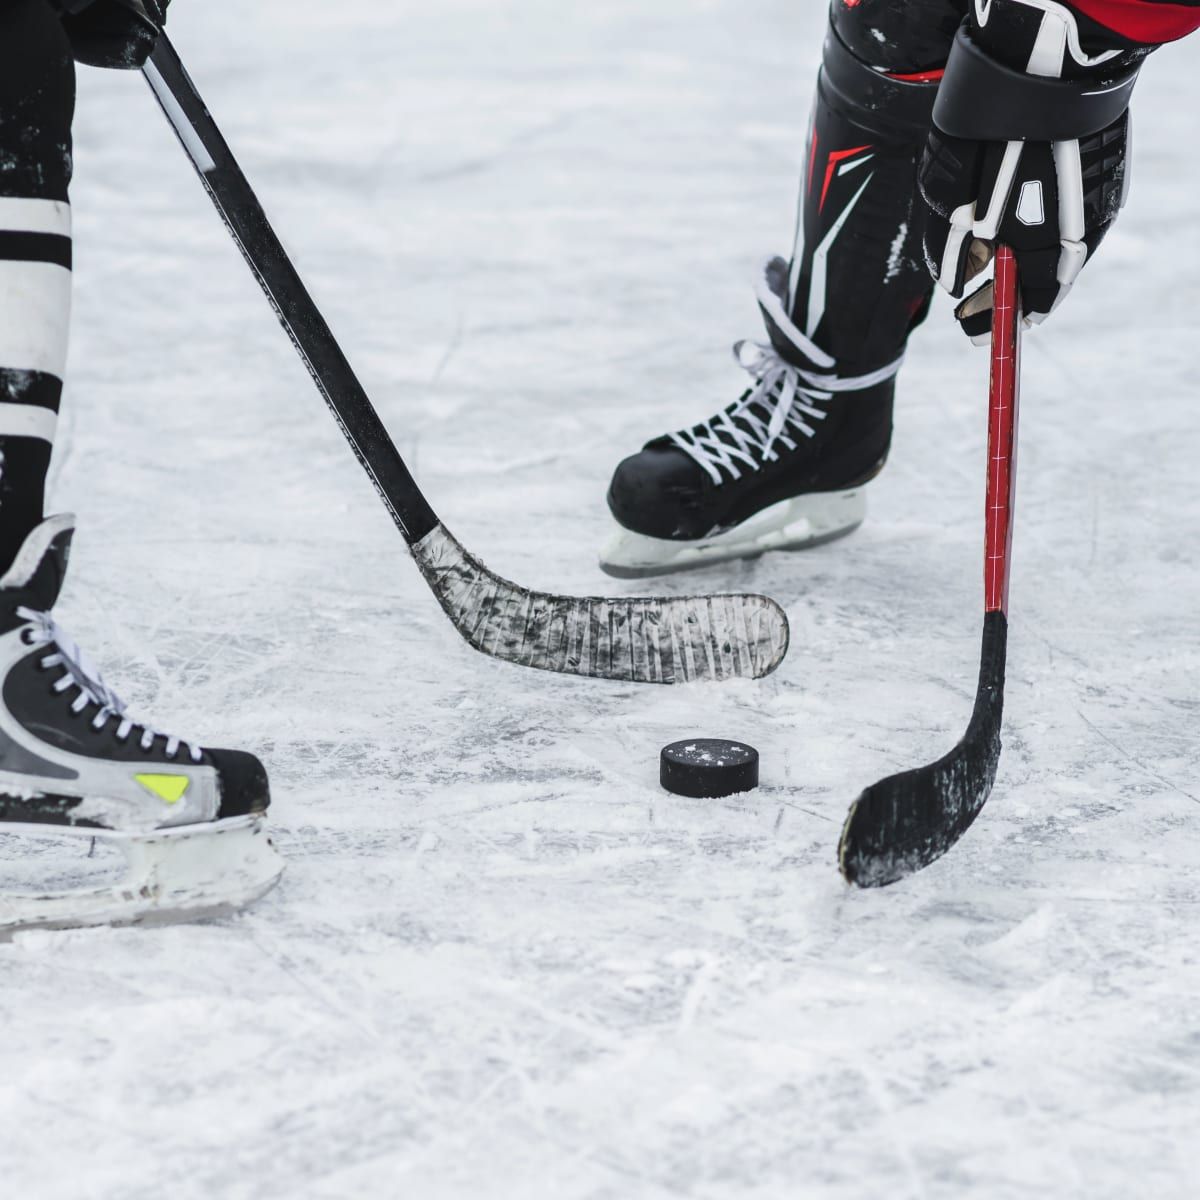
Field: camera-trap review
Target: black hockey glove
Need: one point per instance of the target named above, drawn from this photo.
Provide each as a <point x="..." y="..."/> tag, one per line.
<point x="1034" y="158"/>
<point x="113" y="33"/>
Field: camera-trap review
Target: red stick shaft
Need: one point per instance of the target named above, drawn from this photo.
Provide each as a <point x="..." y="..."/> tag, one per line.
<point x="1003" y="402"/>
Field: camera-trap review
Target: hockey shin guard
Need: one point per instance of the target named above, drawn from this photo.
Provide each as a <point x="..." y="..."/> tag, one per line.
<point x="858" y="282"/>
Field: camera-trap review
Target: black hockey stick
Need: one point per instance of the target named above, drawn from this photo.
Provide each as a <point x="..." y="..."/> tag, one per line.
<point x="907" y="821"/>
<point x="661" y="639"/>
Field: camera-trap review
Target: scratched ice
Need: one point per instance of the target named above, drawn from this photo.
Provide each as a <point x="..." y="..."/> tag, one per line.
<point x="503" y="963"/>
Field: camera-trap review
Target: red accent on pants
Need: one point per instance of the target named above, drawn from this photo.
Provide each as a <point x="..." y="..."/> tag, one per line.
<point x="1143" y="21"/>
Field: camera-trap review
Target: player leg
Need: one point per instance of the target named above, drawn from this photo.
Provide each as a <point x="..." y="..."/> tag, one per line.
<point x="71" y="760"/>
<point x="784" y="466"/>
<point x="37" y="101"/>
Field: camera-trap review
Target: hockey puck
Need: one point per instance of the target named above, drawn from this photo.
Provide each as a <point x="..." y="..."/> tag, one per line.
<point x="708" y="768"/>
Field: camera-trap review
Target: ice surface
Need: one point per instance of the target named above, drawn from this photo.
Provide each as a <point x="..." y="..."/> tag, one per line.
<point x="503" y="964"/>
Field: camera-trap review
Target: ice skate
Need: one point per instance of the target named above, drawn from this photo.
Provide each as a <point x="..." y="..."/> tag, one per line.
<point x="190" y="822"/>
<point x="782" y="468"/>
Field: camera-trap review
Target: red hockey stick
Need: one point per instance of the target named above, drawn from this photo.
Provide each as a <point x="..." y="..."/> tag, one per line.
<point x="907" y="821"/>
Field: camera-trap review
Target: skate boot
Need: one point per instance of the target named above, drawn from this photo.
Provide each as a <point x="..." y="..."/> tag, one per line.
<point x="190" y="821"/>
<point x="781" y="468"/>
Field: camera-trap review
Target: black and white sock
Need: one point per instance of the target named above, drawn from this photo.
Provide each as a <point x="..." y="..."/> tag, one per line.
<point x="37" y="103"/>
<point x="35" y="306"/>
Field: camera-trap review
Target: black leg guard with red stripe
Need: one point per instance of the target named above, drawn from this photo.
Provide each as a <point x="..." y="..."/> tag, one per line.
<point x="784" y="466"/>
<point x="858" y="282"/>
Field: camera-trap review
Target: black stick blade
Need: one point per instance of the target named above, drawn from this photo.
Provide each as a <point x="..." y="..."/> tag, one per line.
<point x="658" y="639"/>
<point x="907" y="821"/>
<point x="651" y="640"/>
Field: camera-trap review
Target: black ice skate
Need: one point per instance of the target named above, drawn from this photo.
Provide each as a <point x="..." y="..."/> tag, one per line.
<point x="191" y="822"/>
<point x="780" y="469"/>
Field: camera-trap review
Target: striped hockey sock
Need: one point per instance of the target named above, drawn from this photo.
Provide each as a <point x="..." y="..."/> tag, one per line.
<point x="37" y="104"/>
<point x="35" y="306"/>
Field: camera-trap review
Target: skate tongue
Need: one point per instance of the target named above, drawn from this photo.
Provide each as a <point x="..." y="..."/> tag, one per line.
<point x="38" y="571"/>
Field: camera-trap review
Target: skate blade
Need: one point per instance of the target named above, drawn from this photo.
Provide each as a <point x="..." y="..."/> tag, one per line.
<point x="183" y="874"/>
<point x="796" y="524"/>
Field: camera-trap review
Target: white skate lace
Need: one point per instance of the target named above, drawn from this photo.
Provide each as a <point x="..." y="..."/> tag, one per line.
<point x="78" y="672"/>
<point x="783" y="401"/>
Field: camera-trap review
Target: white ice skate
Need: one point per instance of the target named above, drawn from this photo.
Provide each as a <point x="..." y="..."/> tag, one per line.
<point x="189" y="821"/>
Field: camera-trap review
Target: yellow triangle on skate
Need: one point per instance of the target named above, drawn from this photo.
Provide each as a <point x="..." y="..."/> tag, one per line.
<point x="170" y="788"/>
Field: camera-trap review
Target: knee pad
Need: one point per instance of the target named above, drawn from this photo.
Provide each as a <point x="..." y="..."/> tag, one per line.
<point x="898" y="37"/>
<point x="892" y="106"/>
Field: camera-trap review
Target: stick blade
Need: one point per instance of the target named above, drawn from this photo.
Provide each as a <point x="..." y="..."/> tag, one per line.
<point x="905" y="822"/>
<point x="635" y="639"/>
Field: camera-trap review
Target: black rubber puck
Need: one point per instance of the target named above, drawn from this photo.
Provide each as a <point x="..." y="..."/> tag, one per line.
<point x="708" y="768"/>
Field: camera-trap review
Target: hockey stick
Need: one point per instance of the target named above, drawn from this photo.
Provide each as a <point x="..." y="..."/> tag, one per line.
<point x="907" y="821"/>
<point x="661" y="639"/>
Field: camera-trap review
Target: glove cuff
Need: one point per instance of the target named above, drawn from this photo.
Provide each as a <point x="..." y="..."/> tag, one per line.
<point x="981" y="99"/>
